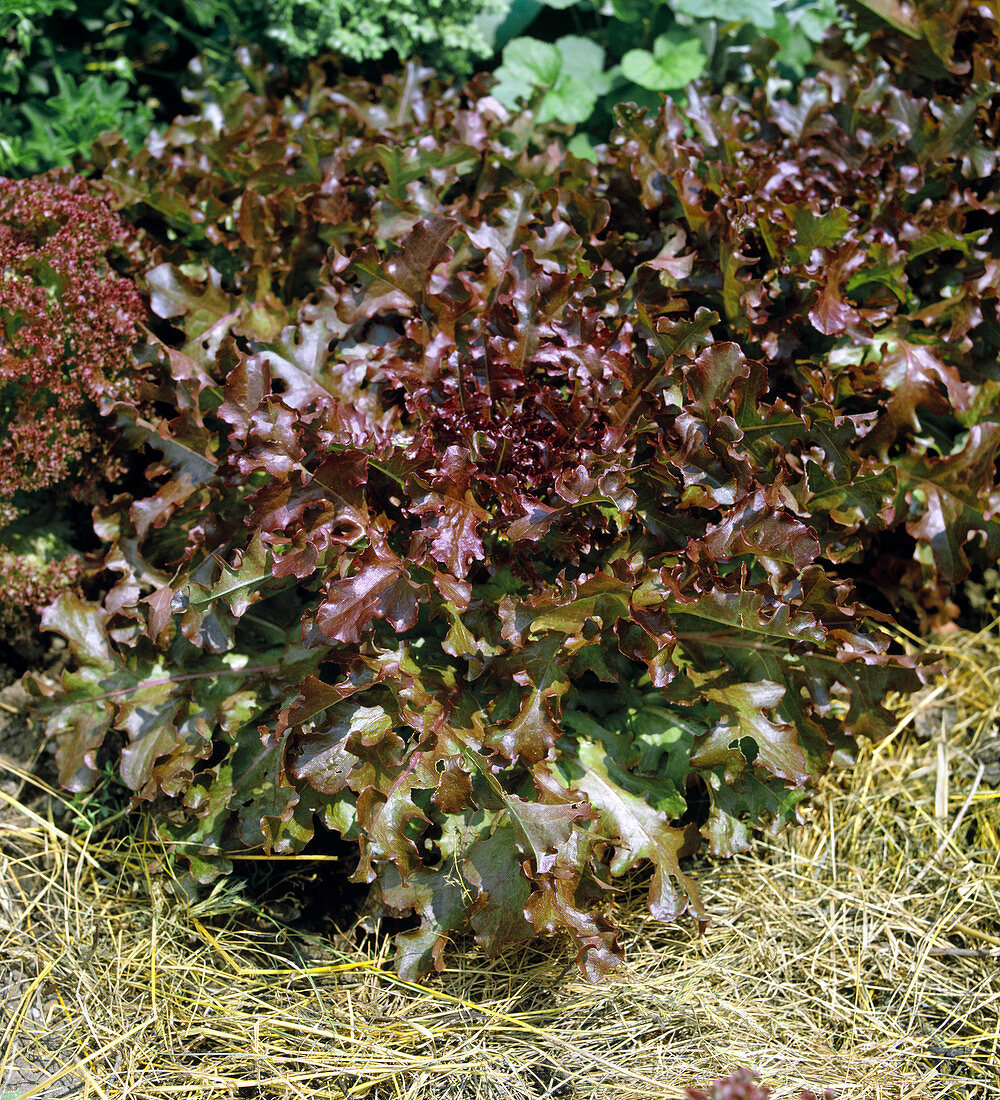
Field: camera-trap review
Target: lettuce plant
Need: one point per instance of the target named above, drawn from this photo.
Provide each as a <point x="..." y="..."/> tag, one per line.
<point x="742" y="1085"/>
<point x="69" y="323"/>
<point x="514" y="518"/>
<point x="33" y="572"/>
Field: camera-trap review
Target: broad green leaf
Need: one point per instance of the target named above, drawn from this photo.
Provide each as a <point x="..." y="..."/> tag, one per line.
<point x="747" y="705"/>
<point x="582" y="58"/>
<point x="758" y="12"/>
<point x="580" y="145"/>
<point x="492" y="866"/>
<point x="639" y="832"/>
<point x="816" y="18"/>
<point x="528" y="64"/>
<point x="581" y="81"/>
<point x="631" y="11"/>
<point x="239" y="584"/>
<point x="674" y="62"/>
<point x="797" y="48"/>
<point x="570" y="73"/>
<point x="814" y="231"/>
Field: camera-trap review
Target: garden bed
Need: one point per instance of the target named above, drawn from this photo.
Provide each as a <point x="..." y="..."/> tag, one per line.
<point x="462" y="534"/>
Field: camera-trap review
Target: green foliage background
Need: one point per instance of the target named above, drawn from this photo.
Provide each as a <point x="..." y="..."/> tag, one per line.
<point x="637" y="50"/>
<point x="75" y="69"/>
<point x="441" y="32"/>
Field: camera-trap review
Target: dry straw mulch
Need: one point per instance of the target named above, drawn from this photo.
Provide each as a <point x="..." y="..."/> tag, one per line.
<point x="859" y="953"/>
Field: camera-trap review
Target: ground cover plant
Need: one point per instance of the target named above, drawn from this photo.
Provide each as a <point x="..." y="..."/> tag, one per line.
<point x="629" y="51"/>
<point x="525" y="520"/>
